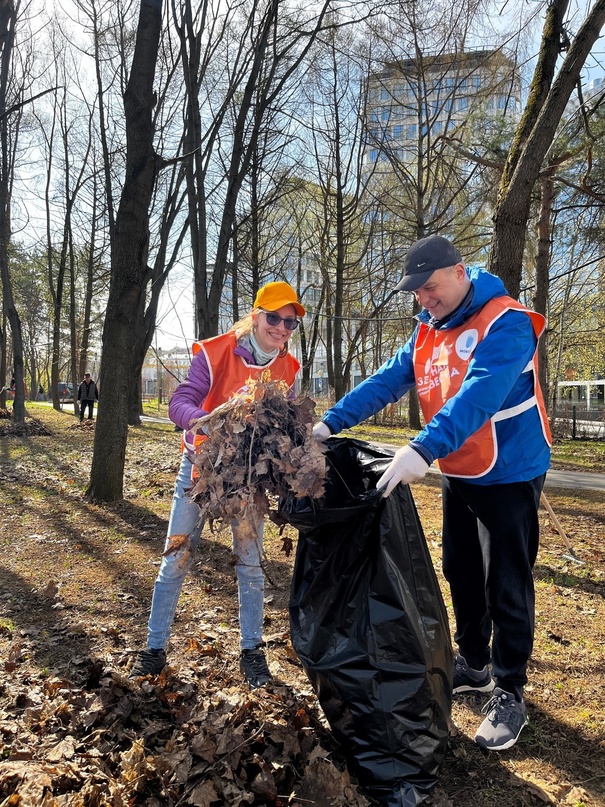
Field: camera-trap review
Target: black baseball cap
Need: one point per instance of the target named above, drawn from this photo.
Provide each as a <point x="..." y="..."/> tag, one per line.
<point x="423" y="258"/>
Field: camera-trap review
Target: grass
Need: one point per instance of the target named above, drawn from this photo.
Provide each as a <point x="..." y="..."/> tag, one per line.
<point x="571" y="455"/>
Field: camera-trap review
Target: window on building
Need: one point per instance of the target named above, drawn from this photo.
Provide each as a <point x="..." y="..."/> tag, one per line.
<point x="384" y="94"/>
<point x="411" y="131"/>
<point x="476" y="82"/>
<point x="373" y="155"/>
<point x="374" y="116"/>
<point x="462" y="104"/>
<point x="385" y="114"/>
<point x="502" y="99"/>
<point x="398" y="131"/>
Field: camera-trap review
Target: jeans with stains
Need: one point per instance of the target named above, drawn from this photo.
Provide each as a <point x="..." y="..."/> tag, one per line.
<point x="186" y="519"/>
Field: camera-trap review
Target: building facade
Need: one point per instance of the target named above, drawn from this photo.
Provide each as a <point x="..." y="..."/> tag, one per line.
<point x="421" y="99"/>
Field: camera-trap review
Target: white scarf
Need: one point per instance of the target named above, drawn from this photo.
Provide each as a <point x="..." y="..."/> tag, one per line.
<point x="261" y="356"/>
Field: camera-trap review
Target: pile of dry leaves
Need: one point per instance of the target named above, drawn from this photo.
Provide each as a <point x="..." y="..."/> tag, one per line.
<point x="86" y="425"/>
<point x="31" y="427"/>
<point x="258" y="445"/>
<point x="171" y="741"/>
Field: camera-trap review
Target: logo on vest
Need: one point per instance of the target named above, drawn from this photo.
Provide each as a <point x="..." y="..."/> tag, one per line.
<point x="466" y="343"/>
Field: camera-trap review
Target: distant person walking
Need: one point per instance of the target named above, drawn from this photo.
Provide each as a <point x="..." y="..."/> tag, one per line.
<point x="87" y="395"/>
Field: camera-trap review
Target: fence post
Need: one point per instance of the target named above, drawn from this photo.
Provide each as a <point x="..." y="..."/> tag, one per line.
<point x="573" y="422"/>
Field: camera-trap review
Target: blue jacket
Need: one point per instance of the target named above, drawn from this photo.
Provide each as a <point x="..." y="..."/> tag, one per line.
<point x="495" y="380"/>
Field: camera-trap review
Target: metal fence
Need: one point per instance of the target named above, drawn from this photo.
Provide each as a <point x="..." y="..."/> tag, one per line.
<point x="579" y="423"/>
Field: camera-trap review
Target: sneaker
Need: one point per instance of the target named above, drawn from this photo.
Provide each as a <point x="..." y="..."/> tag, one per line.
<point x="506" y="718"/>
<point x="253" y="666"/>
<point x="148" y="662"/>
<point x="468" y="680"/>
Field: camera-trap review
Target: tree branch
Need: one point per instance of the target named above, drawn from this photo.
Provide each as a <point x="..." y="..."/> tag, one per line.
<point x="17" y="106"/>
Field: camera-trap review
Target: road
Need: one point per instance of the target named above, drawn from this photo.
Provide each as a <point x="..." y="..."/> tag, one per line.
<point x="555" y="479"/>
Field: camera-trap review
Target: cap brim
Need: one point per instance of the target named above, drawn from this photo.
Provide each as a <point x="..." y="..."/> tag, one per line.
<point x="413" y="282"/>
<point x="275" y="306"/>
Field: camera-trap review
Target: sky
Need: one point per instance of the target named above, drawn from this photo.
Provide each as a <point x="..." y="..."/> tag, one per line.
<point x="175" y="321"/>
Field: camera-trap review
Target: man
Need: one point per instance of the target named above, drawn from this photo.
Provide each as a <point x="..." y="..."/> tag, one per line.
<point x="87" y="395"/>
<point x="473" y="360"/>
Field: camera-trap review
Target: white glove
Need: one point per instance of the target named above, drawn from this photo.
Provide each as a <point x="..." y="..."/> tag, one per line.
<point x="321" y="432"/>
<point x="406" y="466"/>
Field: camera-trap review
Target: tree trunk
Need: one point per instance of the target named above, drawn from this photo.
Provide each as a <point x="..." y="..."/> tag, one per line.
<point x="3" y="361"/>
<point x="129" y="262"/>
<point x="513" y="207"/>
<point x="90" y="266"/>
<point x="540" y="302"/>
<point x="7" y="38"/>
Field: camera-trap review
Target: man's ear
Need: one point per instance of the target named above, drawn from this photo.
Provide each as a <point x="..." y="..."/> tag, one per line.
<point x="460" y="272"/>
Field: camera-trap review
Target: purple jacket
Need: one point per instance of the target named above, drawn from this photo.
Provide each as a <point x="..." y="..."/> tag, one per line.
<point x="185" y="404"/>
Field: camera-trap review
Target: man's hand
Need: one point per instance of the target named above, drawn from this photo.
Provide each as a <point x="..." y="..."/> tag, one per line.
<point x="321" y="432"/>
<point x="406" y="466"/>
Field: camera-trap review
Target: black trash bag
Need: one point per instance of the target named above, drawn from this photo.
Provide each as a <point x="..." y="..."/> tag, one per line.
<point x="370" y="627"/>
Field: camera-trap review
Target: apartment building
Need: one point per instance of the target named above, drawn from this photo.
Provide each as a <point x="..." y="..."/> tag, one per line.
<point x="412" y="102"/>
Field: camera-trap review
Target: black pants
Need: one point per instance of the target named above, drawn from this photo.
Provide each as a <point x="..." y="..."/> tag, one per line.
<point x="490" y="543"/>
<point x="83" y="405"/>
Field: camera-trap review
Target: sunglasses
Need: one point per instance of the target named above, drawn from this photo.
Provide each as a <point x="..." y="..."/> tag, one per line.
<point x="290" y="323"/>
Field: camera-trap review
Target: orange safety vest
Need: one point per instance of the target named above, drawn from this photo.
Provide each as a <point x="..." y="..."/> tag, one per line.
<point x="441" y="359"/>
<point x="229" y="373"/>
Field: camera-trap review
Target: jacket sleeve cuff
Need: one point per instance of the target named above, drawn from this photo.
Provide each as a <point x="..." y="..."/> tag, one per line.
<point x="423" y="451"/>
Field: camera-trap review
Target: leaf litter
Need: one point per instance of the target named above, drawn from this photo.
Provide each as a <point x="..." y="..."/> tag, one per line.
<point x="75" y="586"/>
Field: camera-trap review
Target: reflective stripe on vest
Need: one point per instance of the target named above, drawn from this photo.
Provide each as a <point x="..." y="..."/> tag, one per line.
<point x="441" y="360"/>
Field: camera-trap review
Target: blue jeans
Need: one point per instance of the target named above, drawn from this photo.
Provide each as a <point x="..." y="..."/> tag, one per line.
<point x="186" y="519"/>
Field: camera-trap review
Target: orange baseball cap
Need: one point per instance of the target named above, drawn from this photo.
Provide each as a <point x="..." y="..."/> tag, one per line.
<point x="275" y="295"/>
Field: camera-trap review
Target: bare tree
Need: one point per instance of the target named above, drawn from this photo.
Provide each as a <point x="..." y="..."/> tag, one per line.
<point x="129" y="261"/>
<point x="262" y="55"/>
<point x="8" y="21"/>
<point x="546" y="104"/>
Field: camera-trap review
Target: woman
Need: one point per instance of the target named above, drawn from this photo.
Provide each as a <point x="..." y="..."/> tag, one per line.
<point x="221" y="366"/>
